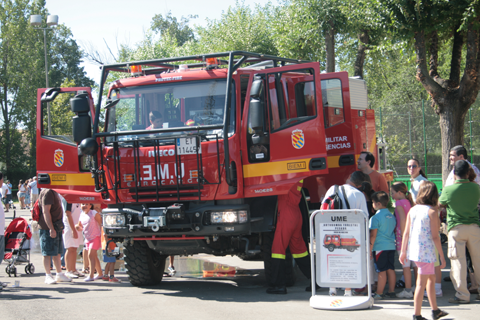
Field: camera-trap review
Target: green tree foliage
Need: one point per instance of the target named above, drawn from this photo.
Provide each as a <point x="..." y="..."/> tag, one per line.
<point x="170" y="26"/>
<point x="239" y="28"/>
<point x="430" y="26"/>
<point x="22" y="71"/>
<point x="296" y="32"/>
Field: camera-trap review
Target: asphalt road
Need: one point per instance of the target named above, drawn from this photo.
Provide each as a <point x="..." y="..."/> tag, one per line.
<point x="190" y="295"/>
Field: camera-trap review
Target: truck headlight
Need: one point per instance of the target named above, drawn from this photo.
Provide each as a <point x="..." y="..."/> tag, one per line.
<point x="228" y="217"/>
<point x="113" y="220"/>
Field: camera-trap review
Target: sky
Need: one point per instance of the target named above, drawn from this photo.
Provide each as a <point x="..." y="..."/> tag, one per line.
<point x="94" y="22"/>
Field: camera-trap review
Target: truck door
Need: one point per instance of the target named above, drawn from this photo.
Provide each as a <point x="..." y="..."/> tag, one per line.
<point x="339" y="129"/>
<point x="285" y="140"/>
<point x="60" y="165"/>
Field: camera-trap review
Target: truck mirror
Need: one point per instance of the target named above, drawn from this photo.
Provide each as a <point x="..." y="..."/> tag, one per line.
<point x="89" y="146"/>
<point x="81" y="127"/>
<point x="257" y="88"/>
<point x="79" y="103"/>
<point x="50" y="94"/>
<point x="111" y="103"/>
<point x="256" y="115"/>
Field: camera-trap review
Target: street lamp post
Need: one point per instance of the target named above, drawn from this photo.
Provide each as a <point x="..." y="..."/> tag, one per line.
<point x="36" y="22"/>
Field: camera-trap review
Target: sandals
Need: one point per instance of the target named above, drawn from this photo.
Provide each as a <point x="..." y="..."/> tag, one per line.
<point x="437" y="314"/>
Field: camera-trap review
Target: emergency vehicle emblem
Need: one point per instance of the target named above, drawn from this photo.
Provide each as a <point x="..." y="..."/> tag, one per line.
<point x="336" y="303"/>
<point x="58" y="158"/>
<point x="298" y="139"/>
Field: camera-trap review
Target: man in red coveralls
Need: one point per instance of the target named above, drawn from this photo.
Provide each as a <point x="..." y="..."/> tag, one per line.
<point x="288" y="233"/>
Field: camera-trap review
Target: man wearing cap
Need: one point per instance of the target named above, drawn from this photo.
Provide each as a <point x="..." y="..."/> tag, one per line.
<point x="34" y="192"/>
<point x="461" y="200"/>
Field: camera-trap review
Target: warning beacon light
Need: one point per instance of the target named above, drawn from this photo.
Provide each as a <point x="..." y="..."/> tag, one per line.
<point x="212" y="63"/>
<point x="136" y="70"/>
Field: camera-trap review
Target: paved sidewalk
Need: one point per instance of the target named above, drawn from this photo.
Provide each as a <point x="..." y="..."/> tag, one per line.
<point x="189" y="295"/>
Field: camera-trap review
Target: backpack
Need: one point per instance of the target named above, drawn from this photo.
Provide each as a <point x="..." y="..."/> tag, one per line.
<point x="334" y="201"/>
<point x="36" y="211"/>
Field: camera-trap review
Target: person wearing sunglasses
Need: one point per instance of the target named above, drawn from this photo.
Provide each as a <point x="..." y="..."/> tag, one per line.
<point x="416" y="177"/>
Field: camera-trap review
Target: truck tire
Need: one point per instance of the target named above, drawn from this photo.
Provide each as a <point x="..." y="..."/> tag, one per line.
<point x="267" y="261"/>
<point x="351" y="249"/>
<point x="331" y="247"/>
<point x="144" y="266"/>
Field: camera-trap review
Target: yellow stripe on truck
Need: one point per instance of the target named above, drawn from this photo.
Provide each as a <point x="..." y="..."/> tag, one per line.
<point x="274" y="168"/>
<point x="71" y="179"/>
<point x="333" y="162"/>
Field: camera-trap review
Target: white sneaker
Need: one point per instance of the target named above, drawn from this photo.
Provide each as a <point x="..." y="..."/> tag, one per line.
<point x="438" y="293"/>
<point x="348" y="293"/>
<point x="405" y="295"/>
<point x="71" y="275"/>
<point x="333" y="291"/>
<point x="49" y="279"/>
<point x="61" y="277"/>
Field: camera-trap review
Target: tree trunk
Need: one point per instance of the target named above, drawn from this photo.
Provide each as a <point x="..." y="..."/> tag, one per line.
<point x="451" y="99"/>
<point x="363" y="40"/>
<point x="330" y="47"/>
<point x="452" y="125"/>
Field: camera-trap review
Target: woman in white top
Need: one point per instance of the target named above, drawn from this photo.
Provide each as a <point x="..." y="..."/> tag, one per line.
<point x="21" y="194"/>
<point x="416" y="176"/>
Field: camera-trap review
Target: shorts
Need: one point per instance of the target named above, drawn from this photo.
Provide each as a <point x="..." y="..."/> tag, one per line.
<point x="108" y="259"/>
<point x="95" y="244"/>
<point x="71" y="242"/>
<point x="384" y="260"/>
<point x="408" y="263"/>
<point x="21" y="195"/>
<point x="425" y="268"/>
<point x="51" y="246"/>
<point x="4" y="200"/>
<point x="9" y="198"/>
<point x="2" y="248"/>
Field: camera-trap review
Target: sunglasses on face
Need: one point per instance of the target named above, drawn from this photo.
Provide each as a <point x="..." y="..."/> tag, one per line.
<point x="412" y="167"/>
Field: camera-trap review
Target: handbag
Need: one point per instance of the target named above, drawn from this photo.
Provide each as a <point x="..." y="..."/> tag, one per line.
<point x="58" y="225"/>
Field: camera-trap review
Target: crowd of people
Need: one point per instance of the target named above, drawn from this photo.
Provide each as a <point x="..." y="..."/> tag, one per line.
<point x="413" y="230"/>
<point x="27" y="193"/>
<point x="411" y="233"/>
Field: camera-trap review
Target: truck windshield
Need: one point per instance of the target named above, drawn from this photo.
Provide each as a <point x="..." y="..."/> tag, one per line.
<point x="169" y="105"/>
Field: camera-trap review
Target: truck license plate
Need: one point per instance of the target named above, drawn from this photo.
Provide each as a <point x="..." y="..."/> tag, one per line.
<point x="187" y="146"/>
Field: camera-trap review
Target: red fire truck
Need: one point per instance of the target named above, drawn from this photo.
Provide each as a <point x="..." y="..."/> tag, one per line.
<point x="335" y="241"/>
<point x="236" y="130"/>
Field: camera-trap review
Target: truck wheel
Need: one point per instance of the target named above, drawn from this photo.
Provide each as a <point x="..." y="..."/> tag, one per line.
<point x="331" y="248"/>
<point x="144" y="266"/>
<point x="267" y="261"/>
<point x="351" y="249"/>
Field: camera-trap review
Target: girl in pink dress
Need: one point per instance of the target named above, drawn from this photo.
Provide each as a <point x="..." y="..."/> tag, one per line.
<point x="403" y="203"/>
<point x="90" y="223"/>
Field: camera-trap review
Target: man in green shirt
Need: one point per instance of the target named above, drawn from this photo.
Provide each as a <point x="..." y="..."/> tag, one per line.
<point x="461" y="200"/>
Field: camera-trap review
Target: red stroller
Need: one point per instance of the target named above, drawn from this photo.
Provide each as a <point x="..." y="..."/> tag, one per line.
<point x="17" y="246"/>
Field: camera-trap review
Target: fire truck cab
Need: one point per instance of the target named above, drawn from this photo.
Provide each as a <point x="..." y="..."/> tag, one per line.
<point x="188" y="155"/>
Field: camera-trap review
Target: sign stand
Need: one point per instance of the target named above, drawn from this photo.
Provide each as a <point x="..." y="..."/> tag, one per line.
<point x="340" y="257"/>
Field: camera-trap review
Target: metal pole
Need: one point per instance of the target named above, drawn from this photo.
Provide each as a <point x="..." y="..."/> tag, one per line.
<point x="46" y="79"/>
<point x="471" y="134"/>
<point x="410" y="132"/>
<point x="424" y="137"/>
<point x="381" y="123"/>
